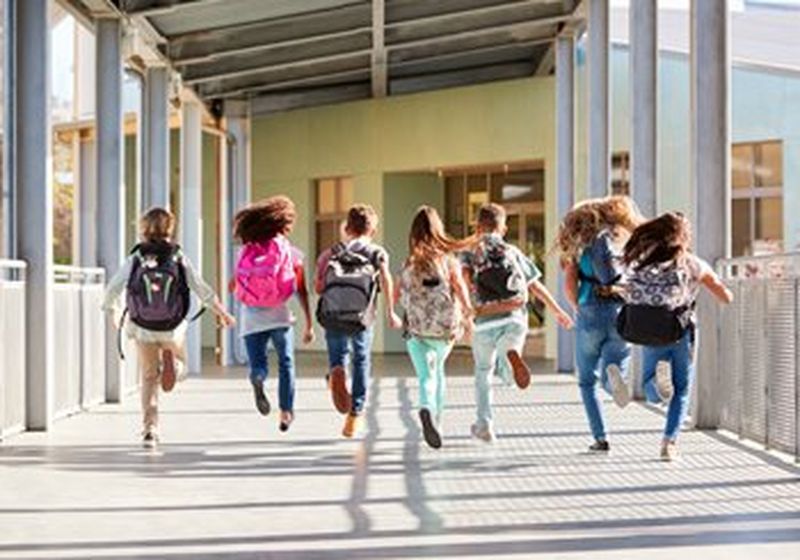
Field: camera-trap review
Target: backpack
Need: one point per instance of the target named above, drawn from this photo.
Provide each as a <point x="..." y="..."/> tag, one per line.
<point x="347" y="303"/>
<point x="431" y="309"/>
<point x="658" y="311"/>
<point x="496" y="274"/>
<point x="265" y="275"/>
<point x="158" y="296"/>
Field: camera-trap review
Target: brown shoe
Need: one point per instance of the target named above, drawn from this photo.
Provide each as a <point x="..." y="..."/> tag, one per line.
<point x="522" y="373"/>
<point x="352" y="426"/>
<point x="168" y="376"/>
<point x="337" y="383"/>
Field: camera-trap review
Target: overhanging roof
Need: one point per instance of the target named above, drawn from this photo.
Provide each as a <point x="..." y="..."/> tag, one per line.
<point x="283" y="54"/>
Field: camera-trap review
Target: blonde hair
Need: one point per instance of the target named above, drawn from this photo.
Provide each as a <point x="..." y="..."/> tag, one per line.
<point x="587" y="219"/>
<point x="157" y="224"/>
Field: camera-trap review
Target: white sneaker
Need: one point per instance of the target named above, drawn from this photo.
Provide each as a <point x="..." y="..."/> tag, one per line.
<point x="483" y="433"/>
<point x="664" y="385"/>
<point x="619" y="388"/>
<point x="669" y="451"/>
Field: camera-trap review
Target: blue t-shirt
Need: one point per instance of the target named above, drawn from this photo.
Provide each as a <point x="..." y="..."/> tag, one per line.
<point x="601" y="261"/>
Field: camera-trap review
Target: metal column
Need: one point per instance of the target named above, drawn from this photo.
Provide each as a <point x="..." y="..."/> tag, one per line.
<point x="110" y="217"/>
<point x="710" y="139"/>
<point x="565" y="171"/>
<point x="155" y="139"/>
<point x="597" y="57"/>
<point x="191" y="212"/>
<point x="644" y="103"/>
<point x="35" y="203"/>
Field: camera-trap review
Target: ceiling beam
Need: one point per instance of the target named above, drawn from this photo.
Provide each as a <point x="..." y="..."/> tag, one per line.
<point x="159" y="7"/>
<point x="548" y="61"/>
<point x="334" y="78"/>
<point x="467" y="76"/>
<point x="275" y="103"/>
<point x="402" y="10"/>
<point x="378" y="62"/>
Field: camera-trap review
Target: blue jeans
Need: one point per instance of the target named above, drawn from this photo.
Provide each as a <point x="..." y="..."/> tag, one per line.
<point x="283" y="341"/>
<point x="339" y="348"/>
<point x="489" y="350"/>
<point x="597" y="345"/>
<point x="680" y="356"/>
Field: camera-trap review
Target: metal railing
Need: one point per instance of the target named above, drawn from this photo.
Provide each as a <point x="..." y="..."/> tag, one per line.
<point x="12" y="353"/>
<point x="760" y="350"/>
<point x="80" y="338"/>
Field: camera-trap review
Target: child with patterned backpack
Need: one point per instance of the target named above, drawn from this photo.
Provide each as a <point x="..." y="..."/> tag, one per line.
<point x="437" y="308"/>
<point x="158" y="279"/>
<point x="501" y="279"/>
<point x="269" y="272"/>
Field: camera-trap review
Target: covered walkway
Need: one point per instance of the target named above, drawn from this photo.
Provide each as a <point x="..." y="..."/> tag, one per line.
<point x="227" y="484"/>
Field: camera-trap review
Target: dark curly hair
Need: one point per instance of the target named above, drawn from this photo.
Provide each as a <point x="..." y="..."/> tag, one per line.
<point x="263" y="220"/>
<point x="662" y="239"/>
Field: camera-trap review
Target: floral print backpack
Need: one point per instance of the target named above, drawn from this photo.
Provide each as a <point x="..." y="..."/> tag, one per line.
<point x="431" y="308"/>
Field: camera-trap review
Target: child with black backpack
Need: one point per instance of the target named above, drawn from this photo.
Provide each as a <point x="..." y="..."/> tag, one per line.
<point x="269" y="272"/>
<point x="438" y="311"/>
<point x="158" y="279"/>
<point x="349" y="276"/>
<point x="502" y="279"/>
<point x="663" y="281"/>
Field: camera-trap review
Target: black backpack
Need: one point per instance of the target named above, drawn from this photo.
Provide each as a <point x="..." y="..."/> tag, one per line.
<point x="496" y="274"/>
<point x="654" y="325"/>
<point x="347" y="304"/>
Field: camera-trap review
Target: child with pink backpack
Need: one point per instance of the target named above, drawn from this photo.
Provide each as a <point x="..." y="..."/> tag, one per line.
<point x="269" y="272"/>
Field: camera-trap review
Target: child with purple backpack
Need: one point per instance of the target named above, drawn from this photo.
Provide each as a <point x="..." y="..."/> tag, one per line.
<point x="269" y="272"/>
<point x="158" y="280"/>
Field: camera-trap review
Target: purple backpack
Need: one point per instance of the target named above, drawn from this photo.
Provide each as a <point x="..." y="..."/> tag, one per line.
<point x="158" y="296"/>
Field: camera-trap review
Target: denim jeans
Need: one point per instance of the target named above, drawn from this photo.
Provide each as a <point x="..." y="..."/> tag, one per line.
<point x="598" y="345"/>
<point x="339" y="348"/>
<point x="428" y="355"/>
<point x="489" y="350"/>
<point x="680" y="356"/>
<point x="283" y="340"/>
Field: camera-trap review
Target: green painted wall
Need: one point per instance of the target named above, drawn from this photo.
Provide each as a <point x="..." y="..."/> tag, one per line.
<point x="209" y="228"/>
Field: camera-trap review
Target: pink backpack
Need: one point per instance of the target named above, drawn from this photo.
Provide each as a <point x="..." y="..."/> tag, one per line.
<point x="265" y="273"/>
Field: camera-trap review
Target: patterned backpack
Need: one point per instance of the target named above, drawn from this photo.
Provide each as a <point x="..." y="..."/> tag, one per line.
<point x="265" y="275"/>
<point x="496" y="275"/>
<point x="431" y="310"/>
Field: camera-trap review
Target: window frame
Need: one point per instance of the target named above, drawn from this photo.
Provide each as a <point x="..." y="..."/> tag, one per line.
<point x="338" y="216"/>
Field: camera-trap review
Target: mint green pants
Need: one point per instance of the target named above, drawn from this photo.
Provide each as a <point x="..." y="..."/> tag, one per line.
<point x="428" y="356"/>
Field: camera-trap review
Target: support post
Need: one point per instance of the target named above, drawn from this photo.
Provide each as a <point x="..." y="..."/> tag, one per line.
<point x="155" y="132"/>
<point x="191" y="212"/>
<point x="110" y="217"/>
<point x="597" y="57"/>
<point x="378" y="62"/>
<point x="33" y="163"/>
<point x="9" y="234"/>
<point x="565" y="171"/>
<point x="710" y="148"/>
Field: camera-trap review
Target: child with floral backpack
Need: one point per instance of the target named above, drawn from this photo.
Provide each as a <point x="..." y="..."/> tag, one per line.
<point x="269" y="272"/>
<point x="437" y="307"/>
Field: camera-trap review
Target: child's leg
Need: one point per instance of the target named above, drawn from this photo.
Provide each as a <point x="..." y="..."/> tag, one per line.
<point x="511" y="337"/>
<point x="149" y="363"/>
<point x="421" y="353"/>
<point x="651" y="356"/>
<point x="588" y="340"/>
<point x="256" y="345"/>
<point x="682" y="375"/>
<point x="442" y="352"/>
<point x="617" y="351"/>
<point x="283" y="340"/>
<point x="338" y="349"/>
<point x="362" y="346"/>
<point x="484" y="353"/>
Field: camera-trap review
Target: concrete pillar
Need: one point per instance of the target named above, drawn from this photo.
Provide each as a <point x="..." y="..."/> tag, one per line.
<point x="110" y="217"/>
<point x="710" y="149"/>
<point x="565" y="172"/>
<point x="644" y="103"/>
<point x="8" y="247"/>
<point x="597" y="61"/>
<point x="155" y="139"/>
<point x="33" y="162"/>
<point x="191" y="212"/>
<point x="87" y="203"/>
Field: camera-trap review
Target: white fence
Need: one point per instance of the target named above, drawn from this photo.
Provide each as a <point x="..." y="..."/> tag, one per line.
<point x="12" y="349"/>
<point x="80" y="340"/>
<point x="760" y="350"/>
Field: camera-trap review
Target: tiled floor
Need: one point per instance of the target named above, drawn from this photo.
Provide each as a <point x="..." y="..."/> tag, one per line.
<point x="227" y="484"/>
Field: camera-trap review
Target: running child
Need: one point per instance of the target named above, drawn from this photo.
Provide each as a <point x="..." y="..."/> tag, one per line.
<point x="158" y="279"/>
<point x="501" y="279"/>
<point x="437" y="308"/>
<point x="663" y="282"/>
<point x="268" y="273"/>
<point x="349" y="276"/>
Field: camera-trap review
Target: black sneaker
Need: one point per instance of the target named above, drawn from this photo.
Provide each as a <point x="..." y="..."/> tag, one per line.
<point x="429" y="431"/>
<point x="150" y="440"/>
<point x="262" y="404"/>
<point x="600" y="446"/>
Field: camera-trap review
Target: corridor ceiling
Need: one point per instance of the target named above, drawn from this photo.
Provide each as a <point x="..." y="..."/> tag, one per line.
<point x="284" y="54"/>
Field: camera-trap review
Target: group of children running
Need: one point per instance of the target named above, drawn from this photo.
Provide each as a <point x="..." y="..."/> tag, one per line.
<point x="628" y="281"/>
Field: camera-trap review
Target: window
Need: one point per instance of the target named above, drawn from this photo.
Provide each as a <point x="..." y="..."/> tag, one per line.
<point x="333" y="198"/>
<point x="757" y="197"/>
<point x="621" y="173"/>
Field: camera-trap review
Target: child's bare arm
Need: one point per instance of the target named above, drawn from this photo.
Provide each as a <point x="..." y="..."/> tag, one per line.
<point x="713" y="284"/>
<point x="387" y="287"/>
<point x="571" y="284"/>
<point x="540" y="292"/>
<point x="225" y="318"/>
<point x="461" y="290"/>
<point x="302" y="294"/>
